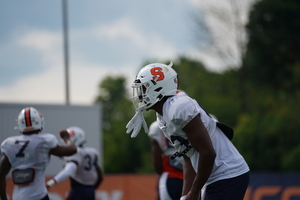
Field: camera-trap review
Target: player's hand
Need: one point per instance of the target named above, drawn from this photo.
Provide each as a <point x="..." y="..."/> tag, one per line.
<point x="50" y="183"/>
<point x="48" y="187"/>
<point x="64" y="134"/>
<point x="136" y="123"/>
<point x="192" y="196"/>
<point x="183" y="197"/>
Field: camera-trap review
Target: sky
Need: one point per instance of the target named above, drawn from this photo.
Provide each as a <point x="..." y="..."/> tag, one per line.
<point x="106" y="38"/>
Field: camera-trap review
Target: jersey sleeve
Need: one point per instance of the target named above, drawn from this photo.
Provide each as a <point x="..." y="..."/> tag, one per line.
<point x="75" y="157"/>
<point x="51" y="140"/>
<point x="185" y="110"/>
<point x="3" y="146"/>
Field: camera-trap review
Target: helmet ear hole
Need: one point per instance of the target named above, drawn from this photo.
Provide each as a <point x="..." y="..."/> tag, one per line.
<point x="158" y="89"/>
<point x="144" y="88"/>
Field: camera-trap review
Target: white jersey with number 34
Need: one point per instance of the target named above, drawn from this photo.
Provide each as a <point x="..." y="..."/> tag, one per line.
<point x="86" y="159"/>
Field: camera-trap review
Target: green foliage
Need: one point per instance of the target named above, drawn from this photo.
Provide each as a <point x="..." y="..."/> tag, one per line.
<point x="268" y="133"/>
<point x="274" y="43"/>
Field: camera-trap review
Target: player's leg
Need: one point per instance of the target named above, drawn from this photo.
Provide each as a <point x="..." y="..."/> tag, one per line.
<point x="174" y="186"/>
<point x="163" y="189"/>
<point x="80" y="193"/>
<point x="228" y="189"/>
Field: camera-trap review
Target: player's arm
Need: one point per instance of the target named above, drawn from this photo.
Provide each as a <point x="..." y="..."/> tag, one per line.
<point x="156" y="156"/>
<point x="188" y="175"/>
<point x="100" y="176"/>
<point x="201" y="142"/>
<point x="67" y="150"/>
<point x="69" y="169"/>
<point x="5" y="166"/>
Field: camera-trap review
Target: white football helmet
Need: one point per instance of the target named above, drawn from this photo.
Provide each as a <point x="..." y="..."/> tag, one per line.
<point x="30" y="119"/>
<point x="77" y="135"/>
<point x="152" y="83"/>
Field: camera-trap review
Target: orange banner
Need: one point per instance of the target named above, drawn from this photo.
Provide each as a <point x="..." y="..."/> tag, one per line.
<point x="143" y="187"/>
<point x="113" y="187"/>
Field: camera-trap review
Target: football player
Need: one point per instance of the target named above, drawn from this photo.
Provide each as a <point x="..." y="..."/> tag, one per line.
<point x="82" y="168"/>
<point x="28" y="155"/>
<point x="211" y="161"/>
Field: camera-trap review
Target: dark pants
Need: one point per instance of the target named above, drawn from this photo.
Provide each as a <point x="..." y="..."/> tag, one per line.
<point x="174" y="186"/>
<point x="228" y="189"/>
<point x="82" y="193"/>
<point x="46" y="197"/>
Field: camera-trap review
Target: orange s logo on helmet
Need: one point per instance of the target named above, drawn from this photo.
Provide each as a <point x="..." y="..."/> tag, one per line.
<point x="157" y="73"/>
<point x="72" y="133"/>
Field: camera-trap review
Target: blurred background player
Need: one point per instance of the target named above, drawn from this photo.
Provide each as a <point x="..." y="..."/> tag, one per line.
<point x="170" y="170"/>
<point x="82" y="168"/>
<point x="29" y="154"/>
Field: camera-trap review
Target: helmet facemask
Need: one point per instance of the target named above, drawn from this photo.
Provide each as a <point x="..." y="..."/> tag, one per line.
<point x="142" y="98"/>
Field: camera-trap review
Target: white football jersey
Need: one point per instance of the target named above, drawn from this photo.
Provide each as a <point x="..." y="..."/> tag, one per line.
<point x="178" y="111"/>
<point x="30" y="151"/>
<point x="86" y="158"/>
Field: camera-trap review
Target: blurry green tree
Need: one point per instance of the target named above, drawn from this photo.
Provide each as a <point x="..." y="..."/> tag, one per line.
<point x="269" y="128"/>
